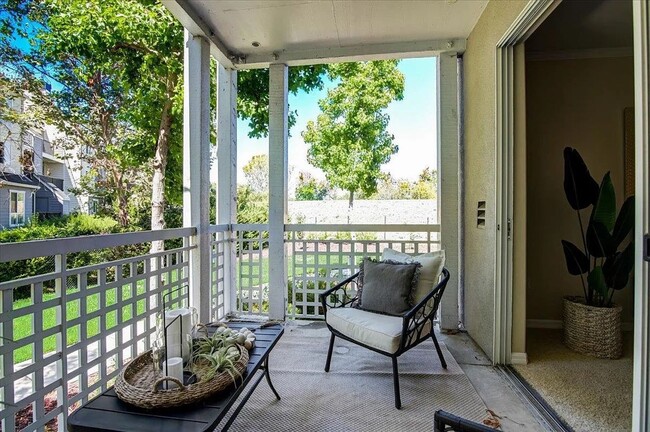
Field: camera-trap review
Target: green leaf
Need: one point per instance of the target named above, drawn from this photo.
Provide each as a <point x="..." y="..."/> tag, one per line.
<point x="618" y="267"/>
<point x="599" y="241"/>
<point x="605" y="208"/>
<point x="624" y="222"/>
<point x="576" y="261"/>
<point x="580" y="188"/>
<point x="596" y="281"/>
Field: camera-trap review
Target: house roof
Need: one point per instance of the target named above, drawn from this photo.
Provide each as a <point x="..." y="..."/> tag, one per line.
<point x="17" y="180"/>
<point x="254" y="33"/>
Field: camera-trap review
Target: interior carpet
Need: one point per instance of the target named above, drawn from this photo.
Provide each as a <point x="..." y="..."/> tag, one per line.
<point x="590" y="394"/>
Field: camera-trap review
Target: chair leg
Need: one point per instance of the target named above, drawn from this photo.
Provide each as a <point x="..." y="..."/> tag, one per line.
<point x="329" y="354"/>
<point x="442" y="358"/>
<point x="398" y="399"/>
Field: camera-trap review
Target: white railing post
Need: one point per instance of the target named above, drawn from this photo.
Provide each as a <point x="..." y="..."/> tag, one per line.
<point x="448" y="188"/>
<point x="60" y="288"/>
<point x="196" y="167"/>
<point x="7" y="367"/>
<point x="227" y="177"/>
<point x="278" y="172"/>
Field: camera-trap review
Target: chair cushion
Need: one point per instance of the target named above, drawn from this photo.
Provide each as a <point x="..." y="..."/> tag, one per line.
<point x="432" y="265"/>
<point x="382" y="332"/>
<point x="386" y="286"/>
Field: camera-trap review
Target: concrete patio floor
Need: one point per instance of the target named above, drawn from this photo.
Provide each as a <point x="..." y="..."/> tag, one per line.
<point x="515" y="413"/>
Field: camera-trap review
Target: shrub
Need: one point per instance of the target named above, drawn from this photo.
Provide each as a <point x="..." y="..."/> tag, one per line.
<point x="67" y="226"/>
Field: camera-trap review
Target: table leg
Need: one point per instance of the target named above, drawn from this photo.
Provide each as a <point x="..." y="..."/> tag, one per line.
<point x="268" y="377"/>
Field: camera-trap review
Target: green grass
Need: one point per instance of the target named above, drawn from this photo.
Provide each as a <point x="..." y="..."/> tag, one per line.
<point x="23" y="325"/>
<point x="335" y="259"/>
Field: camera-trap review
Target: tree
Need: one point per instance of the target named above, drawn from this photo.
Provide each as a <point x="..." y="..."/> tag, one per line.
<point x="117" y="68"/>
<point x="256" y="172"/>
<point x="349" y="140"/>
<point x="253" y="94"/>
<point x="309" y="188"/>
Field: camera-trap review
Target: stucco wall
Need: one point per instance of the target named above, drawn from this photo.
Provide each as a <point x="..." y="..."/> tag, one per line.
<point x="577" y="103"/>
<point x="480" y="176"/>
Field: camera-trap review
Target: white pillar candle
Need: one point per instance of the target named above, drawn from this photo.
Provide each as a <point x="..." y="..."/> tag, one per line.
<point x="173" y="367"/>
<point x="178" y="346"/>
<point x="174" y="325"/>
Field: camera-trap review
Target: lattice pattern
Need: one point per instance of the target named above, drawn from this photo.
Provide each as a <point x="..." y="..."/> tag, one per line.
<point x="65" y="342"/>
<point x="219" y="244"/>
<point x="319" y="260"/>
<point x="253" y="269"/>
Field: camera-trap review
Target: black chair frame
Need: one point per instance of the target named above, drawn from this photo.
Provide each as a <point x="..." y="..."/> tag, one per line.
<point x="444" y="422"/>
<point x="413" y="322"/>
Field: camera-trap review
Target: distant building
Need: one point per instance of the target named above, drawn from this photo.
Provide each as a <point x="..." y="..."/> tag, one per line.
<point x="34" y="179"/>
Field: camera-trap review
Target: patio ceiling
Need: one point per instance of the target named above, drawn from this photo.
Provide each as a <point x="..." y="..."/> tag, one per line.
<point x="316" y="31"/>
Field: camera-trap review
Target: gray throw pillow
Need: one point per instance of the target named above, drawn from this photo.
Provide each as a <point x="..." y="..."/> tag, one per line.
<point x="388" y="286"/>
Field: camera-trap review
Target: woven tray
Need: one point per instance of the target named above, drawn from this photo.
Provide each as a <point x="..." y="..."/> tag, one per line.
<point x="138" y="383"/>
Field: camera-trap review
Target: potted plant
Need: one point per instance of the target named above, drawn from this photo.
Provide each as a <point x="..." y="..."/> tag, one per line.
<point x="592" y="323"/>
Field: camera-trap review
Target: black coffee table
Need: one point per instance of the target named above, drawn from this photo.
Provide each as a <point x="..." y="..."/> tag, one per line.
<point x="107" y="413"/>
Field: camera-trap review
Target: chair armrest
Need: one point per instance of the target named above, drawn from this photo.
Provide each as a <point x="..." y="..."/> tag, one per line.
<point x="339" y="300"/>
<point x="414" y="320"/>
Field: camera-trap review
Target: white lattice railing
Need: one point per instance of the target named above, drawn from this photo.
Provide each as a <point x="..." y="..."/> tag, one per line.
<point x="320" y="256"/>
<point x="68" y="326"/>
<point x="220" y="239"/>
<point x="66" y="329"/>
<point x="252" y="268"/>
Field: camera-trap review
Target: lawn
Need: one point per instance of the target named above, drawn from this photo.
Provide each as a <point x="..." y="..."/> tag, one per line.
<point x="23" y="324"/>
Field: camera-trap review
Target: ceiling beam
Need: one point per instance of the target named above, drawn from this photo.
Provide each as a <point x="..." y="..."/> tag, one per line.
<point x="352" y="53"/>
<point x="195" y="24"/>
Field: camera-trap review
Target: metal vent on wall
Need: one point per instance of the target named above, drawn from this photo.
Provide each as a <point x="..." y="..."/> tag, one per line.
<point x="480" y="215"/>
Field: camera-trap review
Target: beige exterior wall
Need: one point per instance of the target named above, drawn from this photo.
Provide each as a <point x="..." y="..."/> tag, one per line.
<point x="480" y="168"/>
<point x="577" y="103"/>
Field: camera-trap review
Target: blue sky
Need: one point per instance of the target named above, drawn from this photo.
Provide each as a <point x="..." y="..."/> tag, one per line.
<point x="412" y="122"/>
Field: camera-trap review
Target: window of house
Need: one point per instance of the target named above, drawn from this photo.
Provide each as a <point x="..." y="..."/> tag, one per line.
<point x="2" y="152"/>
<point x="16" y="208"/>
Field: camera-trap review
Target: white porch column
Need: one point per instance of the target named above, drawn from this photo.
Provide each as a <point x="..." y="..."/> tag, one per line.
<point x="227" y="175"/>
<point x="448" y="188"/>
<point x="196" y="167"/>
<point x="278" y="172"/>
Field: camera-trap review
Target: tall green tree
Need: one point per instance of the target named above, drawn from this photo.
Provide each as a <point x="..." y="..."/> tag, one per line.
<point x="349" y="140"/>
<point x="117" y="66"/>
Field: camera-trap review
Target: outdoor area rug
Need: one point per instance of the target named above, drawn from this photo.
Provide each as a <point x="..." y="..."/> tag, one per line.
<point x="357" y="393"/>
<point x="590" y="394"/>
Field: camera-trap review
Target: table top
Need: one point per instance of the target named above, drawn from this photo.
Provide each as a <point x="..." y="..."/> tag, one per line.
<point x="108" y="413"/>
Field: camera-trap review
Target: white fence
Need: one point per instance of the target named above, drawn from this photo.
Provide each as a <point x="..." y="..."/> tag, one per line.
<point x="74" y="327"/>
<point x="68" y="326"/>
<point x="318" y="256"/>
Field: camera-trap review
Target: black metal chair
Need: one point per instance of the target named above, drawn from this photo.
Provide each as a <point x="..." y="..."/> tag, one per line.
<point x="416" y="325"/>
<point x="444" y="421"/>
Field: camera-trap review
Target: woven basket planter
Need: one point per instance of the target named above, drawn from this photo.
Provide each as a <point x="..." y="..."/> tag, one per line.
<point x="591" y="330"/>
<point x="138" y="383"/>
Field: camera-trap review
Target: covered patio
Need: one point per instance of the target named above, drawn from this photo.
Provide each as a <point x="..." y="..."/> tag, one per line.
<point x="105" y="314"/>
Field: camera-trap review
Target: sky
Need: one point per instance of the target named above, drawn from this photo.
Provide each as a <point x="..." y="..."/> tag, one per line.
<point x="412" y="122"/>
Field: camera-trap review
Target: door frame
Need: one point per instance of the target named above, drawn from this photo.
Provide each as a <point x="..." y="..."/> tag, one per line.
<point x="641" y="386"/>
<point x="533" y="14"/>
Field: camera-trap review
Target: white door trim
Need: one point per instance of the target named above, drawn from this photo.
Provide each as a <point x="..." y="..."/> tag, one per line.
<point x="532" y="15"/>
<point x="641" y="387"/>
